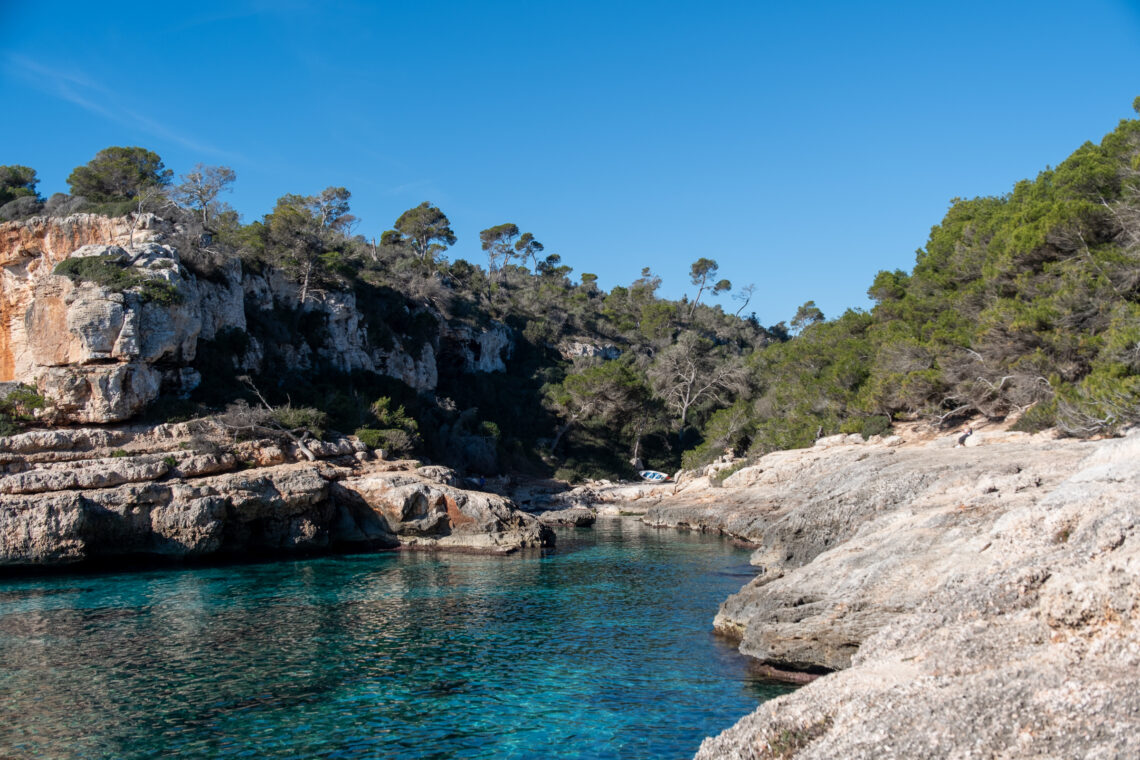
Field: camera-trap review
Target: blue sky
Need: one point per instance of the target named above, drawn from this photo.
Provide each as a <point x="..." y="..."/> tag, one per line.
<point x="803" y="146"/>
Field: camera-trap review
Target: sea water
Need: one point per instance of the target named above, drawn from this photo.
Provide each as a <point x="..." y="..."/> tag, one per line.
<point x="600" y="649"/>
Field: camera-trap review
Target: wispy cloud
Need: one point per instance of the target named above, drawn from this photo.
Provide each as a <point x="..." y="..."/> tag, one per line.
<point x="97" y="99"/>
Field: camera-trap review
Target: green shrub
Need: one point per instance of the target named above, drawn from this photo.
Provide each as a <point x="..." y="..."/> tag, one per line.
<point x="17" y="408"/>
<point x="113" y="273"/>
<point x="117" y="453"/>
<point x="393" y="441"/>
<point x="695" y="459"/>
<point x="879" y="424"/>
<point x="718" y="478"/>
<point x="393" y="418"/>
<point x="170" y="461"/>
<point x="1038" y="417"/>
<point x="567" y="474"/>
<point x="159" y="291"/>
<point x="370" y="437"/>
<point x="301" y="418"/>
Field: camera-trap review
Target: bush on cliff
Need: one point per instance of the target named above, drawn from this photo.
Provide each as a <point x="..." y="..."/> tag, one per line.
<point x="393" y="441"/>
<point x="301" y="419"/>
<point x="18" y="404"/>
<point x="113" y="273"/>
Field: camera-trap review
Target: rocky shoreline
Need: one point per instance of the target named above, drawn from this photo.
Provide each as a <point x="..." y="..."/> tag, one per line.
<point x="979" y="601"/>
<point x="101" y="494"/>
<point x="937" y="601"/>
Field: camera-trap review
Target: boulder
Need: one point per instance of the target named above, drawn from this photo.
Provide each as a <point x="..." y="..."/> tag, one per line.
<point x="439" y="474"/>
<point x="575" y="517"/>
<point x="427" y="514"/>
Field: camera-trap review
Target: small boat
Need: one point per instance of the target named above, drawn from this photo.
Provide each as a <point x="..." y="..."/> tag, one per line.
<point x="653" y="476"/>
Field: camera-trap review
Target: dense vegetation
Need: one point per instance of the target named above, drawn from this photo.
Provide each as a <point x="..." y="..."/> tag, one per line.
<point x="1023" y="304"/>
<point x="1026" y="304"/>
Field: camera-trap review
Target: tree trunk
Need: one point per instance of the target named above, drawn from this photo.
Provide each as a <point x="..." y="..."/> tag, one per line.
<point x="562" y="429"/>
<point x="306" y="270"/>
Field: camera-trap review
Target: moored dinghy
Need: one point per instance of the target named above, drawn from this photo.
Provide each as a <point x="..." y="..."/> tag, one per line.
<point x="653" y="476"/>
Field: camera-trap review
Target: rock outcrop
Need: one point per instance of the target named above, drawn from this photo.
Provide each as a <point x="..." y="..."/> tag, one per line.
<point x="102" y="353"/>
<point x="426" y="514"/>
<point x="82" y="344"/>
<point x="575" y="517"/>
<point x="106" y="494"/>
<point x="606" y="498"/>
<point x="573" y="349"/>
<point x="973" y="602"/>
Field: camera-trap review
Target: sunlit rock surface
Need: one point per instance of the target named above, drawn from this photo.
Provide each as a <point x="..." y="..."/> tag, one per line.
<point x="75" y="495"/>
<point x="979" y="601"/>
<point x="101" y="355"/>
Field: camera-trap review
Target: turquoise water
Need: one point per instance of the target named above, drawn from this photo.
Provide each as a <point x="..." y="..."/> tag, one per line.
<point x="601" y="649"/>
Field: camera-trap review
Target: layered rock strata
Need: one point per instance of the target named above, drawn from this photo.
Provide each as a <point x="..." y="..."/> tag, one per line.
<point x="974" y="602"/>
<point x="103" y="494"/>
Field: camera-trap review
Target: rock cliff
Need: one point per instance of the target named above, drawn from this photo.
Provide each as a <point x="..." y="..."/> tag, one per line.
<point x="102" y="352"/>
<point x="964" y="602"/>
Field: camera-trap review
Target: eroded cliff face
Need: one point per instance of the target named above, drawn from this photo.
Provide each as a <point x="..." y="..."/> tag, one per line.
<point x="28" y="252"/>
<point x="102" y="355"/>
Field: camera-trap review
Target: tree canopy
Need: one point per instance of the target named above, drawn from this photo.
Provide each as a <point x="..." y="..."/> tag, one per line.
<point x="425" y="230"/>
<point x="17" y="182"/>
<point x="200" y="188"/>
<point x="118" y="174"/>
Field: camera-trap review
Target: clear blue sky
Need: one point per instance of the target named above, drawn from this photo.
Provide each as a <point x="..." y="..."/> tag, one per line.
<point x="802" y="145"/>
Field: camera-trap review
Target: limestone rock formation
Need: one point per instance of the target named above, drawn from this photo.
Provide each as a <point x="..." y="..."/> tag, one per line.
<point x="607" y="498"/>
<point x="481" y="350"/>
<point x="84" y="346"/>
<point x="575" y="517"/>
<point x="41" y="242"/>
<point x="101" y="355"/>
<point x="1012" y="634"/>
<point x="346" y="345"/>
<point x="572" y="349"/>
<point x="973" y="602"/>
<point x="428" y="514"/>
<point x="103" y="494"/>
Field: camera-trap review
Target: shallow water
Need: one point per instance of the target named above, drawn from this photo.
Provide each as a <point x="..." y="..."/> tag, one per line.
<point x="601" y="649"/>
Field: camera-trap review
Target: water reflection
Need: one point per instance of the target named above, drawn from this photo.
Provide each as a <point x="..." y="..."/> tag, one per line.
<point x="602" y="650"/>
